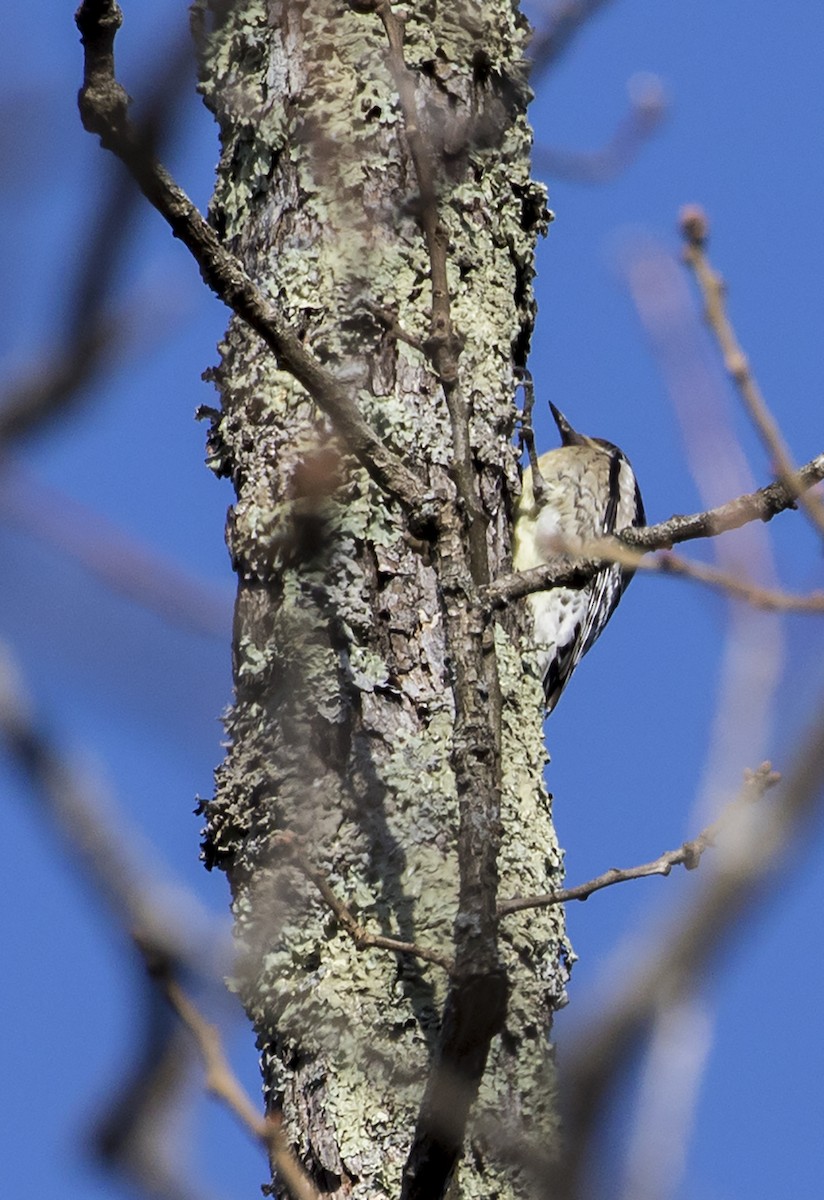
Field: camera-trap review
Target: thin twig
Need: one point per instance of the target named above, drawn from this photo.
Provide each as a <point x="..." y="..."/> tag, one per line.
<point x="676" y="962"/>
<point x="612" y="550"/>
<point x="695" y="230"/>
<point x="762" y="505"/>
<point x="222" y="1082"/>
<point x="361" y="936"/>
<point x="767" y="599"/>
<point x="104" y="108"/>
<point x="688" y="855"/>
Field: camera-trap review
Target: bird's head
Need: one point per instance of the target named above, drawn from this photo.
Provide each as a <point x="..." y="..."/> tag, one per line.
<point x="571" y="437"/>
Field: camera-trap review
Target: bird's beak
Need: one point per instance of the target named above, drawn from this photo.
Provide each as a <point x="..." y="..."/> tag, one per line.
<point x="568" y="435"/>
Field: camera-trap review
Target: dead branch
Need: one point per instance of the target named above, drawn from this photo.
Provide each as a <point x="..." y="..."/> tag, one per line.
<point x="762" y="505"/>
<point x="695" y="230"/>
<point x="676" y="962"/>
<point x="688" y="855"/>
<point x="104" y="109"/>
<point x="361" y="936"/>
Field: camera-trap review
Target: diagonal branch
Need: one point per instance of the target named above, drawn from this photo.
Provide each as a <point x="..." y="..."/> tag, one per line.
<point x="361" y="936"/>
<point x="104" y="110"/>
<point x="222" y="1082"/>
<point x="689" y="855"/>
<point x="695" y="230"/>
<point x="762" y="505"/>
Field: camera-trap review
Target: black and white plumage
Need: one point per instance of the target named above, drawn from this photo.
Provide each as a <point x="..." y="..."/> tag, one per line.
<point x="590" y="490"/>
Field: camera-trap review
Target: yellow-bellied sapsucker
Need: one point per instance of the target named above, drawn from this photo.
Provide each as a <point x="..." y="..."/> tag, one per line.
<point x="590" y="490"/>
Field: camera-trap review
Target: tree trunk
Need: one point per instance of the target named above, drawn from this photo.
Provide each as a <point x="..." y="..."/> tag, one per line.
<point x="345" y="798"/>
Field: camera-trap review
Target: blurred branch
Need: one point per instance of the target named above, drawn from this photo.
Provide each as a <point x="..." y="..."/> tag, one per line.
<point x="648" y="107"/>
<point x="73" y="801"/>
<point x="54" y="384"/>
<point x="113" y="555"/>
<point x="564" y="20"/>
<point x="361" y="936"/>
<point x="762" y="505"/>
<point x="688" y="855"/>
<point x="675" y="963"/>
<point x="695" y="230"/>
<point x="104" y="109"/>
<point x="223" y="1083"/>
<point x="94" y="336"/>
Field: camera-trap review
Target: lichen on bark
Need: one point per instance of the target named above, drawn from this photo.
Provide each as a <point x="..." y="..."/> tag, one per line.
<point x="340" y="736"/>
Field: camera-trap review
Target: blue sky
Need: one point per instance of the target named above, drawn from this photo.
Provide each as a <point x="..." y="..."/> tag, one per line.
<point x="743" y="138"/>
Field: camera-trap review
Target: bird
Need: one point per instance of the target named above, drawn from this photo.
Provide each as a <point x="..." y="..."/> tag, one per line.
<point x="589" y="490"/>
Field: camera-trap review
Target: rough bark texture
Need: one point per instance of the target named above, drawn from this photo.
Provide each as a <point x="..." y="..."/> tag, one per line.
<point x="341" y="738"/>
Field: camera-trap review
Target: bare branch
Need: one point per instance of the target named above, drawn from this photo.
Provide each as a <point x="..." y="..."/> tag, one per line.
<point x="565" y="19"/>
<point x="677" y="961"/>
<point x="224" y="1084"/>
<point x="695" y="229"/>
<point x="648" y="107"/>
<point x="688" y="855"/>
<point x="104" y="109"/>
<point x="362" y="938"/>
<point x="610" y="549"/>
<point x="762" y="505"/>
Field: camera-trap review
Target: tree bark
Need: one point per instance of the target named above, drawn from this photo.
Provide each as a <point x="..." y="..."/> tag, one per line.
<point x="385" y="750"/>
